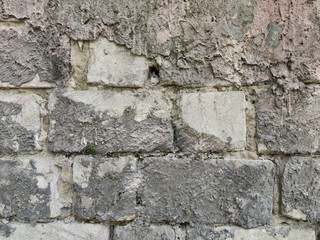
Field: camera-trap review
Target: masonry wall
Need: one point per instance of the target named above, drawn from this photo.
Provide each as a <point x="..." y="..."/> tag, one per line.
<point x="178" y="120"/>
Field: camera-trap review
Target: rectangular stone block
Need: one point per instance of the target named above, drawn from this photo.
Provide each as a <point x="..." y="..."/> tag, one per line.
<point x="277" y="232"/>
<point x="207" y="191"/>
<point x="54" y="231"/>
<point x="110" y="121"/>
<point x="105" y="188"/>
<point x="114" y="65"/>
<point x="300" y="189"/>
<point x="211" y="121"/>
<point x="289" y="122"/>
<point x="30" y="59"/>
<point x="20" y="122"/>
<point x="30" y="189"/>
<point x="138" y="231"/>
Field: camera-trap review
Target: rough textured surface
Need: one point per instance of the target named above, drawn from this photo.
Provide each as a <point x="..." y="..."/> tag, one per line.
<point x="20" y="122"/>
<point x="29" y="188"/>
<point x="212" y="121"/>
<point x="22" y="9"/>
<point x="105" y="188"/>
<point x="112" y="121"/>
<point x="278" y="232"/>
<point x="114" y="65"/>
<point x="32" y="59"/>
<point x="137" y="231"/>
<point x="55" y="231"/>
<point x="289" y="122"/>
<point x="210" y="191"/>
<point x="300" y="189"/>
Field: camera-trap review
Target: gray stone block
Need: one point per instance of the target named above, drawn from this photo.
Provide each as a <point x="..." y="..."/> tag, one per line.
<point x="207" y="191"/>
<point x="105" y="188"/>
<point x="54" y="231"/>
<point x="112" y="121"/>
<point x="273" y="232"/>
<point x="136" y="231"/>
<point x="114" y="65"/>
<point x="21" y="9"/>
<point x="20" y="123"/>
<point x="32" y="59"/>
<point x="288" y="123"/>
<point x="29" y="188"/>
<point x="211" y="121"/>
<point x="300" y="184"/>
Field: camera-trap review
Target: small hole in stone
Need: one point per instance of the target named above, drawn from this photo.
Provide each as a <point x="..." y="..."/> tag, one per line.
<point x="154" y="71"/>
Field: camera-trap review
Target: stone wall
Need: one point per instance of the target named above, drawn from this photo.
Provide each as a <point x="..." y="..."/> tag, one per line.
<point x="157" y="119"/>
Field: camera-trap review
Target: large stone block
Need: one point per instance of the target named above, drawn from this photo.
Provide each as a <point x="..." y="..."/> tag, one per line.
<point x="212" y="121"/>
<point x="20" y="122"/>
<point x="30" y="188"/>
<point x="114" y="65"/>
<point x="110" y="121"/>
<point x="277" y="232"/>
<point x="54" y="231"/>
<point x="137" y="231"/>
<point x="105" y="188"/>
<point x="207" y="191"/>
<point x="300" y="189"/>
<point x="32" y="59"/>
<point x="21" y="9"/>
<point x="289" y="123"/>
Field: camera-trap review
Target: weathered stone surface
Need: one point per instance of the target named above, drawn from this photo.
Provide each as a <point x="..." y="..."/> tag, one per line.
<point x="20" y="122"/>
<point x="29" y="188"/>
<point x="21" y="9"/>
<point x="300" y="189"/>
<point x="110" y="120"/>
<point x="289" y="122"/>
<point x="105" y="188"/>
<point x="114" y="65"/>
<point x="55" y="231"/>
<point x="278" y="232"/>
<point x="207" y="43"/>
<point x="210" y="191"/>
<point x="32" y="59"/>
<point x="212" y="121"/>
<point x="136" y="231"/>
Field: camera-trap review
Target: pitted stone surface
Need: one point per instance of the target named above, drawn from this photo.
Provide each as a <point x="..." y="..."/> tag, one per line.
<point x="207" y="191"/>
<point x="277" y="232"/>
<point x="212" y="121"/>
<point x="301" y="189"/>
<point x="55" y="231"/>
<point x="113" y="121"/>
<point x="136" y="231"/>
<point x="20" y="122"/>
<point x="105" y="188"/>
<point x="289" y="123"/>
<point x="114" y="65"/>
<point x="32" y="59"/>
<point x="21" y="9"/>
<point x="29" y="188"/>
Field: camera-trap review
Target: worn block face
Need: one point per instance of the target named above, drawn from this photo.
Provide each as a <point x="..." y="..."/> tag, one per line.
<point x="136" y="231"/>
<point x="289" y="123"/>
<point x="29" y="189"/>
<point x="114" y="65"/>
<point x="54" y="231"/>
<point x="105" y="188"/>
<point x="278" y="232"/>
<point x="212" y="121"/>
<point x="211" y="191"/>
<point x="27" y="61"/>
<point x="300" y="189"/>
<point x="110" y="121"/>
<point x="20" y="123"/>
<point x="21" y="9"/>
